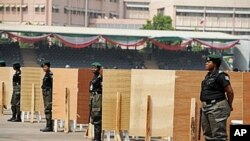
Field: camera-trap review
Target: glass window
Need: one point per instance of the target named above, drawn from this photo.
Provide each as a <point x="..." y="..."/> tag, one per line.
<point x="13" y="9"/>
<point x="42" y="9"/>
<point x="66" y="11"/>
<point x="25" y="9"/>
<point x="161" y="11"/>
<point x="7" y="9"/>
<point x="36" y="9"/>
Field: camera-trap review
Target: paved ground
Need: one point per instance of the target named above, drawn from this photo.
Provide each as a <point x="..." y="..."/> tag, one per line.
<point x="10" y="131"/>
<point x="26" y="131"/>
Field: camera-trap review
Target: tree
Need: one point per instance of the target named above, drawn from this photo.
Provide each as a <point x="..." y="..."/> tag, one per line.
<point x="159" y="22"/>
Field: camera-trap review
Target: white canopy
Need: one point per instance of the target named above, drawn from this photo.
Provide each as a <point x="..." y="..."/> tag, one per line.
<point x="117" y="32"/>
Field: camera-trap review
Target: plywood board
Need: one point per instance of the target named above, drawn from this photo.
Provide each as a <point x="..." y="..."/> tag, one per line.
<point x="159" y="84"/>
<point x="116" y="81"/>
<point x="62" y="79"/>
<point x="246" y="98"/>
<point x="31" y="76"/>
<point x="6" y="74"/>
<point x="84" y="77"/>
<point x="236" y="79"/>
<point x="188" y="85"/>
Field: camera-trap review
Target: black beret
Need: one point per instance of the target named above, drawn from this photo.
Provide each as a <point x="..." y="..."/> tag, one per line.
<point x="213" y="57"/>
<point x="16" y="65"/>
<point x="46" y="62"/>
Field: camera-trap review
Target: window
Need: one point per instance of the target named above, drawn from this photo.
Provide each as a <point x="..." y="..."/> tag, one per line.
<point x="242" y="15"/>
<point x="137" y="8"/>
<point x="37" y="9"/>
<point x="73" y="12"/>
<point x="161" y="11"/>
<point x="43" y="9"/>
<point x="13" y="9"/>
<point x="66" y="11"/>
<point x="7" y="9"/>
<point x="55" y="10"/>
<point x="25" y="9"/>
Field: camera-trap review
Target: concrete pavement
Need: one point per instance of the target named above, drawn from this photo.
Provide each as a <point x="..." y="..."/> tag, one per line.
<point x="18" y="131"/>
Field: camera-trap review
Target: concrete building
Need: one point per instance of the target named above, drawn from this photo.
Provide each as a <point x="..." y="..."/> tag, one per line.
<point x="72" y="12"/>
<point x="230" y="16"/>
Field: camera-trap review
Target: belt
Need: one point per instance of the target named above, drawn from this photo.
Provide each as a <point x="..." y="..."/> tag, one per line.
<point x="213" y="101"/>
<point x="95" y="93"/>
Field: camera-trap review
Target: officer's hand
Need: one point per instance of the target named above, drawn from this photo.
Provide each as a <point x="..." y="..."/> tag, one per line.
<point x="231" y="108"/>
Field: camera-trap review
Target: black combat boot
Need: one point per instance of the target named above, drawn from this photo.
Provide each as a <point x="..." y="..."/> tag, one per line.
<point x="12" y="118"/>
<point x="13" y="109"/>
<point x="18" y="117"/>
<point x="49" y="127"/>
<point x="98" y="132"/>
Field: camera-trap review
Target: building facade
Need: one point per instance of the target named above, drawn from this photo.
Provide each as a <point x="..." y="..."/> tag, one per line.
<point x="72" y="12"/>
<point x="230" y="16"/>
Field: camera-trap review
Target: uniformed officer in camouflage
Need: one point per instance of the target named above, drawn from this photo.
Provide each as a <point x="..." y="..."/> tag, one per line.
<point x="47" y="96"/>
<point x="217" y="98"/>
<point x="2" y="63"/>
<point x="15" y="100"/>
<point x="95" y="90"/>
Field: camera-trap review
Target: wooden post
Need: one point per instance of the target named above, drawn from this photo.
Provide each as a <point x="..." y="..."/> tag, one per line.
<point x="67" y="111"/>
<point x="118" y="117"/>
<point x="108" y="135"/>
<point x="55" y="125"/>
<point x="90" y="131"/>
<point x="126" y="136"/>
<point x="2" y="98"/>
<point x="193" y="127"/>
<point x="148" y="119"/>
<point x="32" y="107"/>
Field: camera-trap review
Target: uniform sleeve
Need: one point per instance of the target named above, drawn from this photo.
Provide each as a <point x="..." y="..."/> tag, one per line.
<point x="224" y="80"/>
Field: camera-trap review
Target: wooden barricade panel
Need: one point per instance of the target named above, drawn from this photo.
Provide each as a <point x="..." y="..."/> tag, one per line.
<point x="246" y="98"/>
<point x="62" y="79"/>
<point x="116" y="81"/>
<point x="159" y="84"/>
<point x="6" y="74"/>
<point x="236" y="79"/>
<point x="188" y="85"/>
<point x="84" y="77"/>
<point x="31" y="76"/>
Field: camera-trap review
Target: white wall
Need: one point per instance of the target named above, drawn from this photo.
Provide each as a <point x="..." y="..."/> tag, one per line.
<point x="242" y="54"/>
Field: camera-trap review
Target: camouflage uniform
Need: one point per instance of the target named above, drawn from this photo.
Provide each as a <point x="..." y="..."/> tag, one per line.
<point x="15" y="100"/>
<point x="96" y="104"/>
<point x="47" y="99"/>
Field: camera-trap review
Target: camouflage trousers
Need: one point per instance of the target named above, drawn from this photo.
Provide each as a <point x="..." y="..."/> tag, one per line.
<point x="96" y="114"/>
<point x="214" y="120"/>
<point x="47" y="100"/>
<point x="15" y="101"/>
